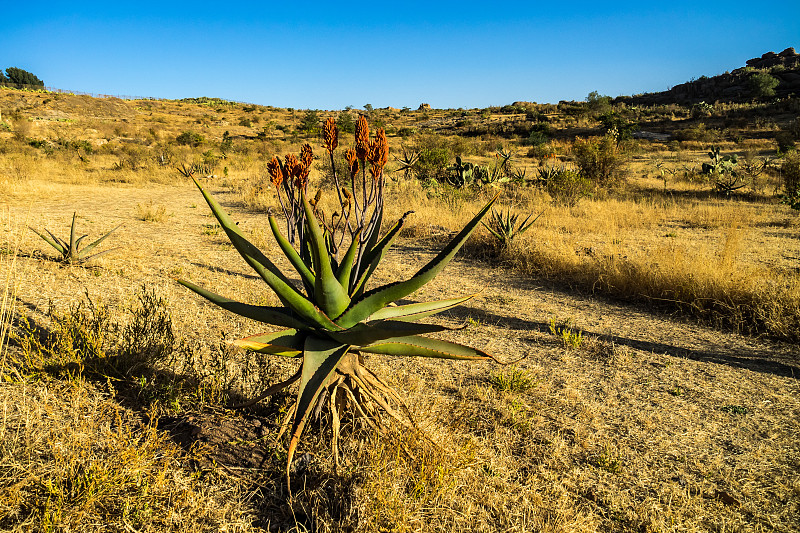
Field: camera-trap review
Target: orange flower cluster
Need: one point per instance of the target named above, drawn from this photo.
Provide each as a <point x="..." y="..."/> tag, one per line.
<point x="292" y="167"/>
<point x="352" y="161"/>
<point x="275" y="172"/>
<point x="362" y="138"/>
<point x="378" y="153"/>
<point x="306" y="156"/>
<point x="330" y="134"/>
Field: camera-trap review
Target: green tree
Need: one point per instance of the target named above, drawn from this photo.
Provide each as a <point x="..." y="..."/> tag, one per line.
<point x="598" y="102"/>
<point x="3" y="78"/>
<point x="762" y="85"/>
<point x="345" y="123"/>
<point x="611" y="120"/>
<point x="309" y="124"/>
<point x="18" y="76"/>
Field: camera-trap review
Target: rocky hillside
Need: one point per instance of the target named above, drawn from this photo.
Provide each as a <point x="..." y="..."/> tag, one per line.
<point x="735" y="86"/>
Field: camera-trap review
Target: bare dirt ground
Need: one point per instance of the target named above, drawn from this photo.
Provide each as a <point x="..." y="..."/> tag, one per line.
<point x="653" y="421"/>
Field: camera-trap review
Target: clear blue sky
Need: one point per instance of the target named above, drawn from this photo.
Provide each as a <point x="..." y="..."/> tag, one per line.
<point x="328" y="55"/>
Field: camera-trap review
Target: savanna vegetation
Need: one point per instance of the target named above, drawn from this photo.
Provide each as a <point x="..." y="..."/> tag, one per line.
<point x="612" y="347"/>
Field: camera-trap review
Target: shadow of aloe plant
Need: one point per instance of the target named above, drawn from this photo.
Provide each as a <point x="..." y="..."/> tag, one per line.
<point x="330" y="324"/>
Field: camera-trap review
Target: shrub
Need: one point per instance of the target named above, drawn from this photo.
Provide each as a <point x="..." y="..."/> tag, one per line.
<point x="788" y="136"/>
<point x="406" y="132"/>
<point x="597" y="102"/>
<point x="600" y="161"/>
<point x="612" y="120"/>
<point x="542" y="151"/>
<point x="539" y="134"/>
<point x="762" y="85"/>
<point x="790" y="169"/>
<point x="785" y="141"/>
<point x="567" y="187"/>
<point x="190" y="138"/>
<point x="131" y="157"/>
<point x="699" y="132"/>
<point x="434" y="157"/>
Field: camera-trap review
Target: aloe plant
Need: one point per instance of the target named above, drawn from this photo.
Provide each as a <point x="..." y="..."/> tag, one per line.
<point x="71" y="252"/>
<point x="407" y="163"/>
<point x="504" y="225"/>
<point x="334" y="320"/>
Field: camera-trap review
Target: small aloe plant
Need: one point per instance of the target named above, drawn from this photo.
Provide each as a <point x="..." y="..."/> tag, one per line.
<point x="333" y="321"/>
<point x="407" y="163"/>
<point x="503" y="225"/>
<point x="71" y="252"/>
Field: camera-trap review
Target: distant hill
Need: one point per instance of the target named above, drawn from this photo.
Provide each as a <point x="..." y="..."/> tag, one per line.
<point x="735" y="86"/>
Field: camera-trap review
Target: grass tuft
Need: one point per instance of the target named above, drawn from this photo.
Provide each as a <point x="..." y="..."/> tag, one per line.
<point x="513" y="379"/>
<point x="151" y="213"/>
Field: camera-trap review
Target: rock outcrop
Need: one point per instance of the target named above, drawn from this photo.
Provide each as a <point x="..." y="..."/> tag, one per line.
<point x="732" y="86"/>
<point x="788" y="59"/>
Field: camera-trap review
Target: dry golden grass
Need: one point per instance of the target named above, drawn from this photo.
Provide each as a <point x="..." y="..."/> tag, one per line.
<point x="151" y="213"/>
<point x="650" y="424"/>
<point x="731" y="263"/>
<point x="74" y="460"/>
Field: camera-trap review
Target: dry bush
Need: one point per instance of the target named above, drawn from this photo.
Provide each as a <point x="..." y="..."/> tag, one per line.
<point x="599" y="160"/>
<point x="790" y="170"/>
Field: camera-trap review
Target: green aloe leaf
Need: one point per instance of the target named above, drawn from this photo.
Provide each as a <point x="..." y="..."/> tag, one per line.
<point x="346" y="266"/>
<point x="328" y="292"/>
<point x="276" y="316"/>
<point x="378" y="298"/>
<point x="79" y="241"/>
<point x="525" y="225"/>
<point x="252" y="255"/>
<point x="52" y="240"/>
<point x="320" y="358"/>
<point x="63" y="244"/>
<point x="375" y="230"/>
<point x="91" y="246"/>
<point x="493" y="232"/>
<point x="291" y="254"/>
<point x="72" y="250"/>
<point x="267" y="270"/>
<point x="286" y="343"/>
<point x="425" y="347"/>
<point x="367" y="334"/>
<point x="411" y="312"/>
<point x="83" y="257"/>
